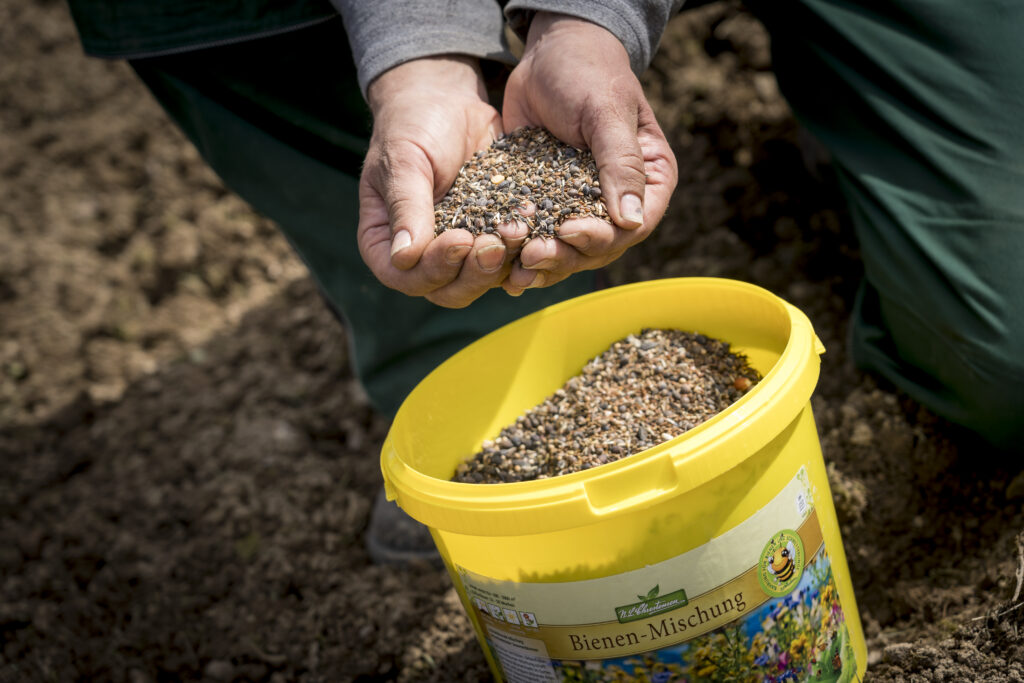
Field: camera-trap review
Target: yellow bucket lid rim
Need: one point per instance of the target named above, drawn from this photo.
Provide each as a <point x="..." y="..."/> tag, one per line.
<point x="676" y="466"/>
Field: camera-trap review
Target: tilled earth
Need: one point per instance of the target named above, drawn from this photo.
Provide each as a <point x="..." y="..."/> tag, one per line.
<point x="187" y="465"/>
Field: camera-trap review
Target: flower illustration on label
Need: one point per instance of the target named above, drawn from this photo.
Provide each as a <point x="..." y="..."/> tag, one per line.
<point x="781" y="563"/>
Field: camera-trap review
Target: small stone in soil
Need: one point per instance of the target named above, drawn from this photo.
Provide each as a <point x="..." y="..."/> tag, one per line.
<point x="644" y="390"/>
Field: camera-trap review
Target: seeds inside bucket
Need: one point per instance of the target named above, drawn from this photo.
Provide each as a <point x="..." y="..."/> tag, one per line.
<point x="528" y="166"/>
<point x="644" y="390"/>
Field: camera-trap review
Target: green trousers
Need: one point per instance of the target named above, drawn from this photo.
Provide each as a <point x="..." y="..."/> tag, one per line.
<point x="920" y="103"/>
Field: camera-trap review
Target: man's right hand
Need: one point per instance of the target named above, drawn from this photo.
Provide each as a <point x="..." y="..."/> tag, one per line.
<point x="575" y="80"/>
<point x="430" y="116"/>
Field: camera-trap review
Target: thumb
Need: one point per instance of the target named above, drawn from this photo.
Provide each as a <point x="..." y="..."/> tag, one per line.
<point x="407" y="186"/>
<point x="620" y="163"/>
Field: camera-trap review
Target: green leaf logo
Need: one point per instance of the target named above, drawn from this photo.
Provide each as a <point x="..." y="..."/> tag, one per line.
<point x="651" y="594"/>
<point x="651" y="604"/>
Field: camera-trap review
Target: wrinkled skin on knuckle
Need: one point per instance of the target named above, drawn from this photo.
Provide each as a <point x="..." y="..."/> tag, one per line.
<point x="435" y="279"/>
<point x="633" y="160"/>
<point x="628" y="154"/>
<point x="625" y="149"/>
<point x="400" y="206"/>
<point x="392" y="155"/>
<point x="626" y="93"/>
<point x="400" y="159"/>
<point x="617" y="101"/>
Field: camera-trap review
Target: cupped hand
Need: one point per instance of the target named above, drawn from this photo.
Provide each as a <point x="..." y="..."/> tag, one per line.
<point x="575" y="80"/>
<point x="430" y="116"/>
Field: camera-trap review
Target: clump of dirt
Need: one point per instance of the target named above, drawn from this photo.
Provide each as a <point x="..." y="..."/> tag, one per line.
<point x="988" y="648"/>
<point x="529" y="176"/>
<point x="187" y="463"/>
<point x="644" y="390"/>
<point x="977" y="653"/>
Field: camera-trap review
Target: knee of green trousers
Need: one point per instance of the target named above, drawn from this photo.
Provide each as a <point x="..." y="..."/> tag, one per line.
<point x="919" y="104"/>
<point x="977" y="385"/>
<point x="940" y="313"/>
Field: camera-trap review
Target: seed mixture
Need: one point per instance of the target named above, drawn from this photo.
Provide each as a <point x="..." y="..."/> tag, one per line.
<point x="644" y="390"/>
<point x="529" y="165"/>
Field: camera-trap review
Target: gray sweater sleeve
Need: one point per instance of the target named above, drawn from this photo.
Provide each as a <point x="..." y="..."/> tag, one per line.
<point x="386" y="33"/>
<point x="637" y="23"/>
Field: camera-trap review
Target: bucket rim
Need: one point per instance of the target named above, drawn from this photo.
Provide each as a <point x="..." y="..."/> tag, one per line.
<point x="680" y="464"/>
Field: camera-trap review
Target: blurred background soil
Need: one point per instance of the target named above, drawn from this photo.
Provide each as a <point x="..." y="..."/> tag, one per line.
<point x="187" y="464"/>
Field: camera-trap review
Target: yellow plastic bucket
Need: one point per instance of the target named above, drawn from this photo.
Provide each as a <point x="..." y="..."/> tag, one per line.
<point x="715" y="556"/>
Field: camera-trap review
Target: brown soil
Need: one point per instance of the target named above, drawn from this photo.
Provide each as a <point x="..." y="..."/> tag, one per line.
<point x="186" y="464"/>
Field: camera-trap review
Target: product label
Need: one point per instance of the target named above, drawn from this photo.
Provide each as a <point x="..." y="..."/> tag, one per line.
<point x="757" y="603"/>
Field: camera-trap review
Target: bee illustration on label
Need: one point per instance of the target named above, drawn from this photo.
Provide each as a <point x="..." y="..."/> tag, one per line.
<point x="781" y="563"/>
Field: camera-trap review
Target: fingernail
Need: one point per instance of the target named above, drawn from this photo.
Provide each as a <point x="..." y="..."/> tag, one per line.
<point x="455" y="255"/>
<point x="537" y="281"/>
<point x="580" y="240"/>
<point x="632" y="208"/>
<point x="401" y="240"/>
<point x="513" y="230"/>
<point x="491" y="257"/>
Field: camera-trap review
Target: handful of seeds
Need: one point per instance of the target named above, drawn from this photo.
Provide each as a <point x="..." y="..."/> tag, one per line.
<point x="644" y="390"/>
<point x="528" y="165"/>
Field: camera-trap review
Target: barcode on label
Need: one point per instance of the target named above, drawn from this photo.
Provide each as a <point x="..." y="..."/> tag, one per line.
<point x="801" y="503"/>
